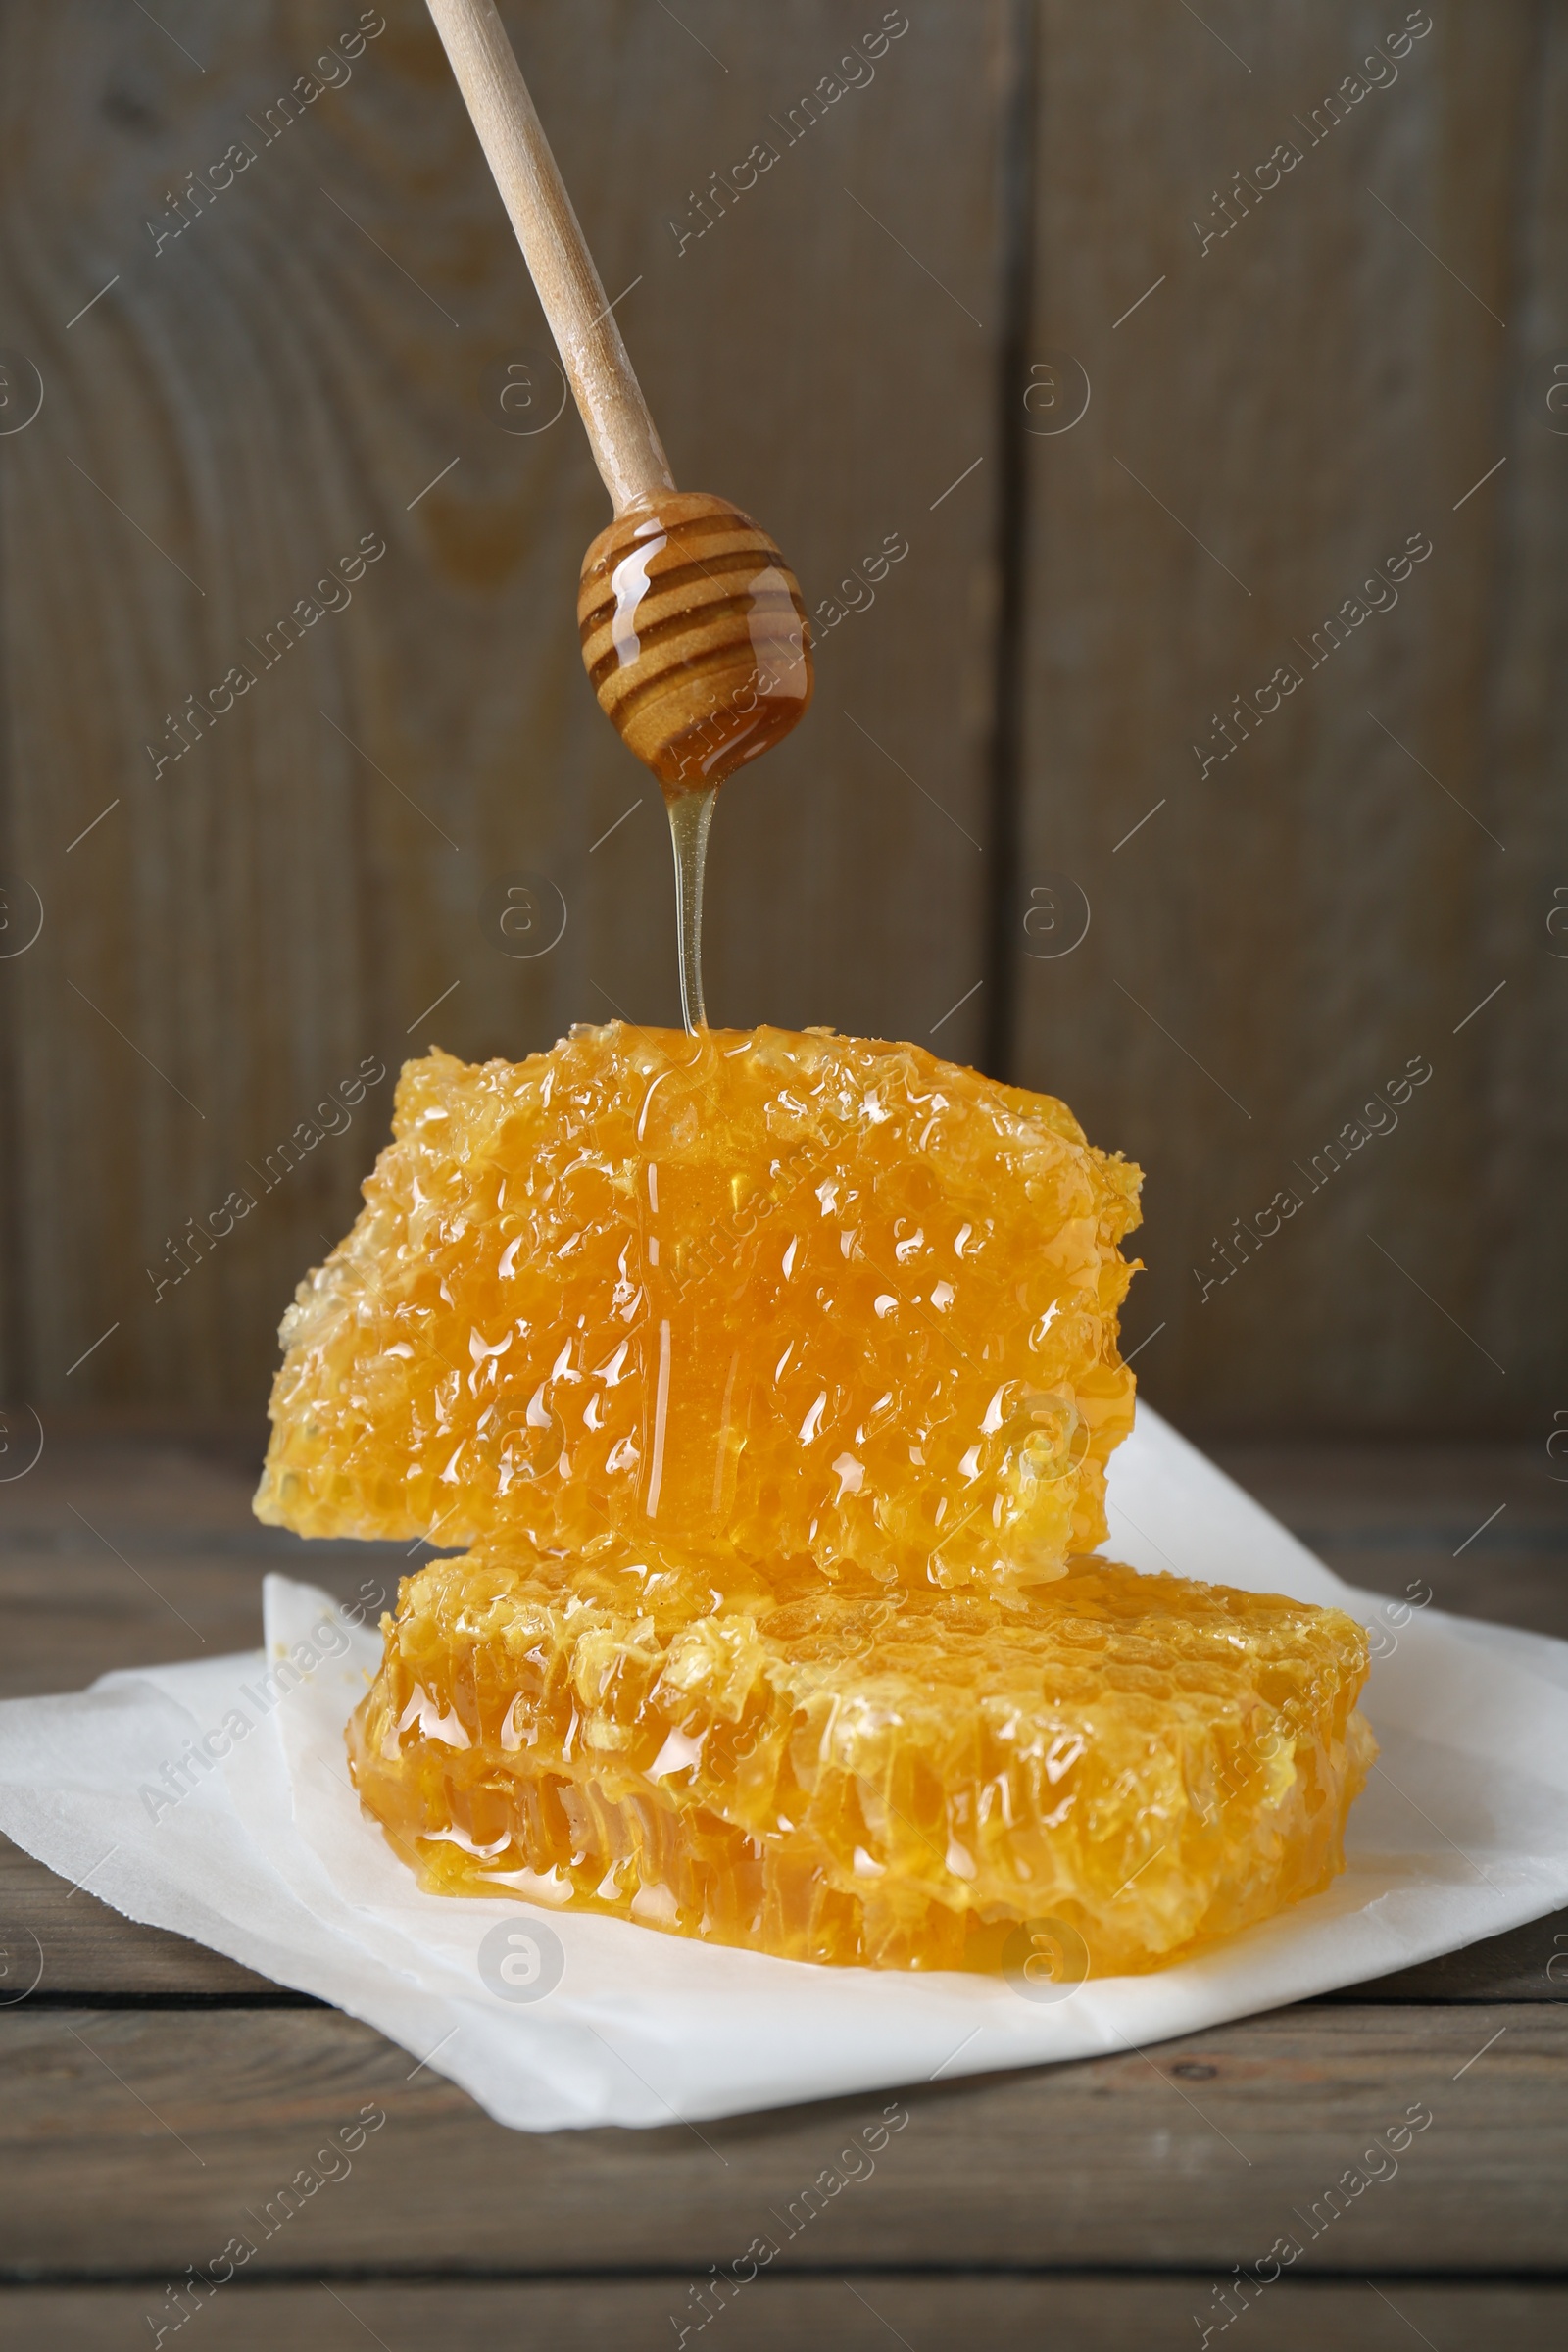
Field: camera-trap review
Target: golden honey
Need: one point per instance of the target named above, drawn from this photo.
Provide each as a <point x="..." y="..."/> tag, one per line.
<point x="793" y="1295"/>
<point x="834" y="1771"/>
<point x="694" y="633"/>
<point x="771" y="1379"/>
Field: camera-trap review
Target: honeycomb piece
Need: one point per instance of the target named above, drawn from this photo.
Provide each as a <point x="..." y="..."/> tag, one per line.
<point x="843" y="1771"/>
<point x="796" y="1296"/>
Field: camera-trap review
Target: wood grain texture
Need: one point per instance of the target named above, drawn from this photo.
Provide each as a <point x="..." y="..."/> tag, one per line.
<point x="1478" y="1530"/>
<point x="298" y="364"/>
<point x="621" y="434"/>
<point x="778" y="2315"/>
<point x="296" y="368"/>
<point x="116" y="1553"/>
<point x="82" y="1949"/>
<point x="1092" y="2165"/>
<point x="106" y="1532"/>
<point x="1191" y="2157"/>
<point x="88" y="1952"/>
<point x="1302" y="915"/>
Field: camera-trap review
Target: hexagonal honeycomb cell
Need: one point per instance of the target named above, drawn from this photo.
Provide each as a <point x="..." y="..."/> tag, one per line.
<point x="1117" y="1768"/>
<point x="771" y="1379"/>
<point x="790" y="1294"/>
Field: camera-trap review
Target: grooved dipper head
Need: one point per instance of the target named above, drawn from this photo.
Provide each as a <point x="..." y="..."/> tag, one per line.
<point x="695" y="635"/>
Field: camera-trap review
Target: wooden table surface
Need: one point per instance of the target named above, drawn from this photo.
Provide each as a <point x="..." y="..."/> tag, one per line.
<point x="156" y="2092"/>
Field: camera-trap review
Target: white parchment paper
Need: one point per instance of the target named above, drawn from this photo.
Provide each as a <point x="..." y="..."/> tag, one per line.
<point x="551" y="2020"/>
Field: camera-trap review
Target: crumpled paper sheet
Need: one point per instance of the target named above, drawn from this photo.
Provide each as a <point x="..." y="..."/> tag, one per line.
<point x="550" y="2020"/>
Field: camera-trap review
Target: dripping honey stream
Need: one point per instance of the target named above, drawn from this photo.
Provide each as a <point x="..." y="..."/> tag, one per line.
<point x="689" y="816"/>
<point x="694" y="634"/>
<point x="811" y="1651"/>
<point x="692" y="628"/>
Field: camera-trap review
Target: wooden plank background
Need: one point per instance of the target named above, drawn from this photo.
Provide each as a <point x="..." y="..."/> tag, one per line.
<point x="1045" y="2169"/>
<point x="245" y="400"/>
<point x="1069" y="2315"/>
<point x="1298" y="396"/>
<point x="154" y="2096"/>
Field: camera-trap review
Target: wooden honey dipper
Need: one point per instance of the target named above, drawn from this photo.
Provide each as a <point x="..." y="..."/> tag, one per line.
<point x="694" y="630"/>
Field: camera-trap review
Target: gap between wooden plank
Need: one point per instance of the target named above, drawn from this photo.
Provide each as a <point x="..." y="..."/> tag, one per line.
<point x="1016" y="213"/>
<point x="805" y="2273"/>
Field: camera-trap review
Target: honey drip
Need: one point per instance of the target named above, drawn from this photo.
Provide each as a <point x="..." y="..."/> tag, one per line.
<point x="771" y="1379"/>
<point x="689" y="816"/>
<point x="695" y="634"/>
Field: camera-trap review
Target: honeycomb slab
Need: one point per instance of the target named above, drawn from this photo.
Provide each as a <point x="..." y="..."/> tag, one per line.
<point x="787" y="1296"/>
<point x="1108" y="1770"/>
<point x="771" y="1381"/>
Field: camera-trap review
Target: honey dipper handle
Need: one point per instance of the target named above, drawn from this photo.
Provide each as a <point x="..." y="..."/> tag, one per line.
<point x="621" y="434"/>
